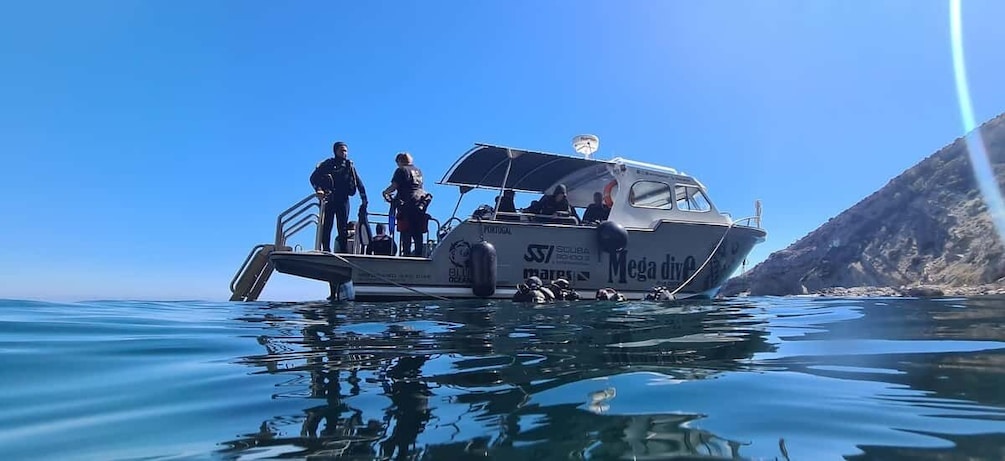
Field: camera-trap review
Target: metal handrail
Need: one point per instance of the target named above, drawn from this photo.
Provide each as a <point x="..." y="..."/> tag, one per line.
<point x="515" y="214"/>
<point x="300" y="225"/>
<point x="755" y="219"/>
<point x="300" y="211"/>
<point x="531" y="216"/>
<point x="244" y="266"/>
<point x="431" y="218"/>
<point x="280" y="222"/>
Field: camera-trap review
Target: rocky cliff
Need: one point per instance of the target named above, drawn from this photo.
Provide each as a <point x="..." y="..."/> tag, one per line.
<point x="928" y="226"/>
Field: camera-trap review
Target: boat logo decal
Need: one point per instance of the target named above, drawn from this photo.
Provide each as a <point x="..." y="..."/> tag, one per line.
<point x="670" y="269"/>
<point x="721" y="263"/>
<point x="559" y="254"/>
<point x="539" y="253"/>
<point x="460" y="252"/>
<point x="552" y="274"/>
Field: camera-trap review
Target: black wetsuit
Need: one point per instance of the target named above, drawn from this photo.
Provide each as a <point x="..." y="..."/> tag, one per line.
<point x="596" y="212"/>
<point x="337" y="176"/>
<point x="549" y="206"/>
<point x="381" y="245"/>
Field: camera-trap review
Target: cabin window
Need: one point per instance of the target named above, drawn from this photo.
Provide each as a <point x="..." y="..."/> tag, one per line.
<point x="651" y="194"/>
<point x="691" y="198"/>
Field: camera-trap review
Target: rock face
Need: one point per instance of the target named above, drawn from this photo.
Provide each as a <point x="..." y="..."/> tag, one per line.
<point x="928" y="226"/>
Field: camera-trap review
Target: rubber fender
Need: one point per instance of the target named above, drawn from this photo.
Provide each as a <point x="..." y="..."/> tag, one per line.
<point x="612" y="237"/>
<point x="483" y="269"/>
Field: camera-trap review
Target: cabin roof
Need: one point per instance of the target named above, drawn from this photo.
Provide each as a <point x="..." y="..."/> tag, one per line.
<point x="531" y="171"/>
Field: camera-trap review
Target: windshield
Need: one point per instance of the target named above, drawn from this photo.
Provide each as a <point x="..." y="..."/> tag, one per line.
<point x="691" y="198"/>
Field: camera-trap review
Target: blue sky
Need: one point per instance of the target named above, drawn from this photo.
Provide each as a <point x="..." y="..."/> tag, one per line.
<point x="147" y="146"/>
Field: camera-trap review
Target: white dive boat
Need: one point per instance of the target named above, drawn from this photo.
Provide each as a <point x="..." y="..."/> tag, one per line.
<point x="662" y="230"/>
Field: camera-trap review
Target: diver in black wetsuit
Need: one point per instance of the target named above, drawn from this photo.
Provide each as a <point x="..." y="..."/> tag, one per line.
<point x="596" y="211"/>
<point x="554" y="204"/>
<point x="336" y="179"/>
<point x="381" y="244"/>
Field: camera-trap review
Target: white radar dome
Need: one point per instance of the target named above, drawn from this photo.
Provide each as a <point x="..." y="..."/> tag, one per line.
<point x="586" y="144"/>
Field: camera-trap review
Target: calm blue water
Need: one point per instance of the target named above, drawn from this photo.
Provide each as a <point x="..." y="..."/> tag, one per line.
<point x="761" y="378"/>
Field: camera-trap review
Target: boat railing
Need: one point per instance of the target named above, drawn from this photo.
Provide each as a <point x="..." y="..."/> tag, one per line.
<point x="508" y="216"/>
<point x="284" y="228"/>
<point x="750" y="221"/>
<point x="251" y="277"/>
<point x="437" y="241"/>
<point x="299" y="225"/>
<point x="522" y="216"/>
<point x="431" y="241"/>
<point x="307" y="211"/>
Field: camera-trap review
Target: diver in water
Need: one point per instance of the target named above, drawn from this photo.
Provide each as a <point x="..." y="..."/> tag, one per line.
<point x="660" y="293"/>
<point x="563" y="291"/>
<point x="533" y="290"/>
<point x="610" y="294"/>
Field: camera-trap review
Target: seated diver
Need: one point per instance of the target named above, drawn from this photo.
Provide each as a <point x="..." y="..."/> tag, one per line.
<point x="597" y="211"/>
<point x="505" y="204"/>
<point x="381" y="244"/>
<point x="554" y="204"/>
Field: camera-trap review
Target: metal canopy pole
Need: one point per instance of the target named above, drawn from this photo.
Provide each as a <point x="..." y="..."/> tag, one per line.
<point x="464" y="190"/>
<point x="509" y="164"/>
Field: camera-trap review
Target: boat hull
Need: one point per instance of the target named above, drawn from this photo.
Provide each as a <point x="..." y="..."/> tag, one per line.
<point x="678" y="255"/>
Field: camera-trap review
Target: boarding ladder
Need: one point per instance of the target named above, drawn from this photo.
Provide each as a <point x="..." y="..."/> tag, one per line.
<point x="250" y="279"/>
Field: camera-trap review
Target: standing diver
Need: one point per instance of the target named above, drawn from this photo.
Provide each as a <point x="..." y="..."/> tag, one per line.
<point x="410" y="202"/>
<point x="336" y="179"/>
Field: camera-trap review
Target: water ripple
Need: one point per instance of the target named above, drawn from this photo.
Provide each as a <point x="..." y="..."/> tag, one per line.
<point x="759" y="378"/>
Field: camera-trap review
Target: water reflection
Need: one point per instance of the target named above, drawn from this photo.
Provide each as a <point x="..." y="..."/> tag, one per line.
<point x="463" y="380"/>
<point x="950" y="348"/>
<point x="936" y="369"/>
<point x="810" y="378"/>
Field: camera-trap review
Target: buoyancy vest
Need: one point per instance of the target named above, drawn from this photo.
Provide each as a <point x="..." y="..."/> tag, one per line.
<point x="409" y="181"/>
<point x="336" y="175"/>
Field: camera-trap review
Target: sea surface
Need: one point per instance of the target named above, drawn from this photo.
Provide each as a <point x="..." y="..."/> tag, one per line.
<point x="759" y="378"/>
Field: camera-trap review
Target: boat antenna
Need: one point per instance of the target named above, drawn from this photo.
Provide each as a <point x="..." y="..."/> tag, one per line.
<point x="586" y="144"/>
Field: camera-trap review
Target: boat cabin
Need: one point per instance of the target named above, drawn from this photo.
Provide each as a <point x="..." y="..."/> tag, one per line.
<point x="638" y="194"/>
